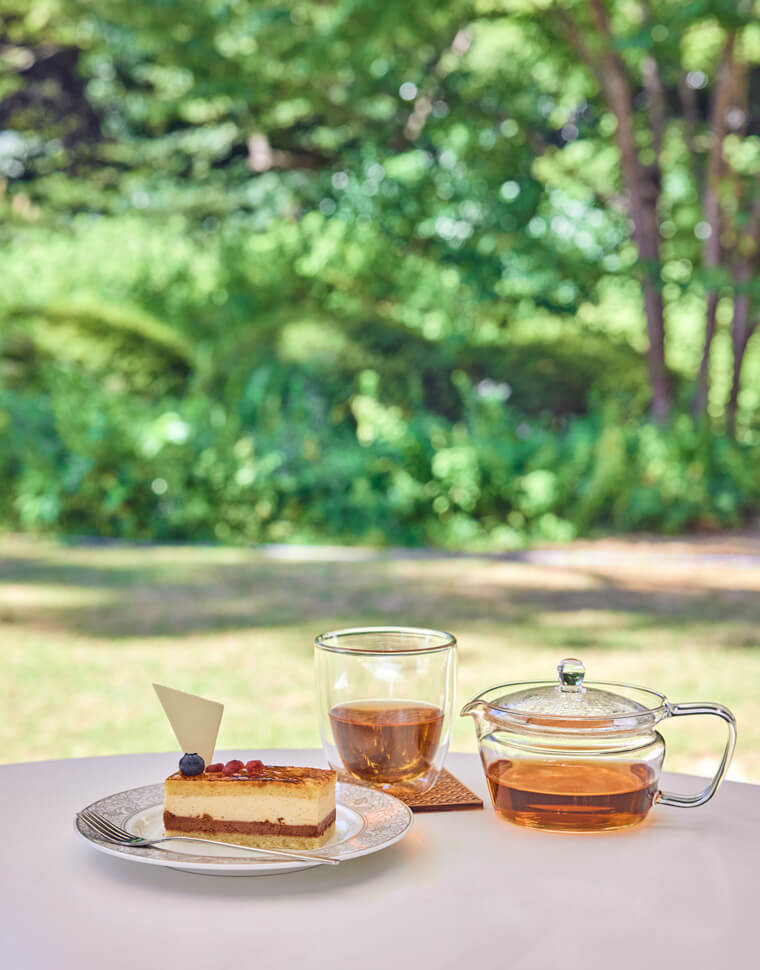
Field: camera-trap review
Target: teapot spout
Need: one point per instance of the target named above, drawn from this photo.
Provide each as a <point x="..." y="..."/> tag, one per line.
<point x="477" y="709"/>
<point x="474" y="708"/>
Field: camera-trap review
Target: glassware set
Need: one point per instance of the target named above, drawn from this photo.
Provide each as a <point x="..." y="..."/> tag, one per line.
<point x="564" y="755"/>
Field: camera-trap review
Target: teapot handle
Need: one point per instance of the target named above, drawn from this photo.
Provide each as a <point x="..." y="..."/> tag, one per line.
<point x="691" y="801"/>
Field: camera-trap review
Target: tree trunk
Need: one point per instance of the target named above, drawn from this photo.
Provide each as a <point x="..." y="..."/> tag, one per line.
<point x="658" y="374"/>
<point x="724" y="91"/>
<point x="702" y="390"/>
<point x="643" y="185"/>
<point x="741" y="327"/>
<point x="741" y="332"/>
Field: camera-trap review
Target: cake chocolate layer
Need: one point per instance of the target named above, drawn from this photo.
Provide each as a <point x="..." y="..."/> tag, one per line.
<point x="180" y="823"/>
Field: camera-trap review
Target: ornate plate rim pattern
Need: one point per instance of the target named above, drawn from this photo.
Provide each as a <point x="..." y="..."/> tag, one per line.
<point x="384" y="818"/>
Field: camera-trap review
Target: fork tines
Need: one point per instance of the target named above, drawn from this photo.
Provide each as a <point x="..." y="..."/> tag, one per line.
<point x="104" y="827"/>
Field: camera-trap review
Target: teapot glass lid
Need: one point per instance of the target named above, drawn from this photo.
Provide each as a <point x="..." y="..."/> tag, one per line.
<point x="570" y="704"/>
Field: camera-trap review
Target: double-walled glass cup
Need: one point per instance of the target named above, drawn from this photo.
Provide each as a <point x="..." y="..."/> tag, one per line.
<point x="386" y="696"/>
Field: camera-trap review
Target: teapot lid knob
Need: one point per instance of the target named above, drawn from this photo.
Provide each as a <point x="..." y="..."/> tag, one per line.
<point x="571" y="673"/>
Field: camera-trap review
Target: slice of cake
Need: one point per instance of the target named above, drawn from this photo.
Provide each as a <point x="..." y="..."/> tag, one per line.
<point x="269" y="806"/>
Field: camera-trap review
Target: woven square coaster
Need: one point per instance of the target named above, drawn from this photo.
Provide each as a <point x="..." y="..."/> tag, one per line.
<point x="448" y="794"/>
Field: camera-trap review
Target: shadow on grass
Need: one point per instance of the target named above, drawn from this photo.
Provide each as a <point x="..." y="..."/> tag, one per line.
<point x="155" y="597"/>
<point x="18" y="569"/>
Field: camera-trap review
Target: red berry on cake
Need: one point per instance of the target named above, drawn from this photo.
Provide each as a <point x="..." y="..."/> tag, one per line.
<point x="217" y="767"/>
<point x="254" y="767"/>
<point x="232" y="767"/>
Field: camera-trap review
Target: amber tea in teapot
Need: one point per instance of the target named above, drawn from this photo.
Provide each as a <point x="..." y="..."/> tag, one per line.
<point x="570" y="756"/>
<point x="571" y="795"/>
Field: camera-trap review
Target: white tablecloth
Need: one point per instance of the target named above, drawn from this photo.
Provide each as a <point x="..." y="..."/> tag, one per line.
<point x="462" y="889"/>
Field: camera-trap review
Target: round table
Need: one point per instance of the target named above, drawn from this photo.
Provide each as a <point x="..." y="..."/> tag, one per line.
<point x="462" y="889"/>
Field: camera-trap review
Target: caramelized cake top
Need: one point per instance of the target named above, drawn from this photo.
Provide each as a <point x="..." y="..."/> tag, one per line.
<point x="306" y="780"/>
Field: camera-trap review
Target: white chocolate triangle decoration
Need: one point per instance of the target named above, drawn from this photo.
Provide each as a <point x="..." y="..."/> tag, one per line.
<point x="195" y="720"/>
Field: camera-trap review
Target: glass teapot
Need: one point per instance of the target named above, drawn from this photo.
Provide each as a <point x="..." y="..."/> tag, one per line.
<point x="571" y="756"/>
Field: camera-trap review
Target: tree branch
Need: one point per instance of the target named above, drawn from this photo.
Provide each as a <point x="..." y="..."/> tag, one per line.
<point x="718" y="126"/>
<point x="691" y="119"/>
<point x="423" y="105"/>
<point x="656" y="98"/>
<point x="655" y="91"/>
<point x="578" y="43"/>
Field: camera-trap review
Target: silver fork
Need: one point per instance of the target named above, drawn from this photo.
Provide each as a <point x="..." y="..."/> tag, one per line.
<point x="115" y="835"/>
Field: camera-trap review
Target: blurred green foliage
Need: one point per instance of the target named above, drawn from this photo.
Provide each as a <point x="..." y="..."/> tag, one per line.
<point x="287" y="461"/>
<point x="352" y="271"/>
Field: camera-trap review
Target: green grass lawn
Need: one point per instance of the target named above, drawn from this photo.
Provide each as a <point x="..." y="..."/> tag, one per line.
<point x="85" y="630"/>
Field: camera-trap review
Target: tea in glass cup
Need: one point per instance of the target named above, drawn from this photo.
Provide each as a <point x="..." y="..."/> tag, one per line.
<point x="386" y="696"/>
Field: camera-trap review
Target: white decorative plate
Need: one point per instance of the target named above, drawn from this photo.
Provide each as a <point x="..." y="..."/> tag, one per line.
<point x="366" y="821"/>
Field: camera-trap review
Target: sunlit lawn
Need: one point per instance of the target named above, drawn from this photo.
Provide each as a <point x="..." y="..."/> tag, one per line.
<point x="85" y="630"/>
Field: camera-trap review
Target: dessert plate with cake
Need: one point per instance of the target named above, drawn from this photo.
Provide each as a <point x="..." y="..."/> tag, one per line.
<point x="279" y="808"/>
<point x="251" y="804"/>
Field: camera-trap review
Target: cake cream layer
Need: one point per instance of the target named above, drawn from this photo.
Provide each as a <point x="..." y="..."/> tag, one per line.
<point x="240" y="806"/>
